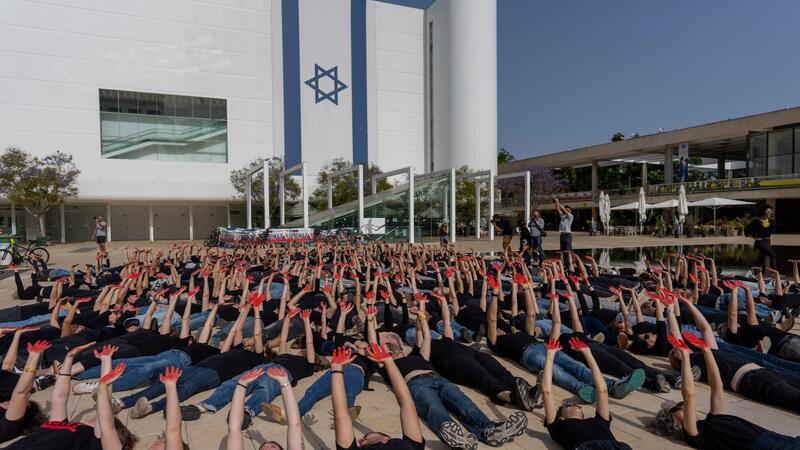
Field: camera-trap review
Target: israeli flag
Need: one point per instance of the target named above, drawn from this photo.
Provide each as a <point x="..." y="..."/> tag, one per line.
<point x="319" y="78"/>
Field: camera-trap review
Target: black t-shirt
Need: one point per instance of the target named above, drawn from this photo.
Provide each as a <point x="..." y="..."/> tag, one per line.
<point x="393" y="444"/>
<point x="728" y="363"/>
<point x="446" y="353"/>
<point x="505" y="227"/>
<point x="724" y="432"/>
<point x="231" y="363"/>
<point x="298" y="366"/>
<point x="198" y="351"/>
<point x="570" y="433"/>
<point x="8" y="381"/>
<point x="749" y="335"/>
<point x="60" y="436"/>
<point x="150" y="342"/>
<point x="412" y="362"/>
<point x="10" y="429"/>
<point x="512" y="346"/>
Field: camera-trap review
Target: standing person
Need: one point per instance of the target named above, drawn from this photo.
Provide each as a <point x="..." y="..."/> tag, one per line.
<point x="503" y="226"/>
<point x="564" y="226"/>
<point x="99" y="235"/>
<point x="444" y="232"/>
<point x="536" y="226"/>
<point x="761" y="229"/>
<point x="524" y="241"/>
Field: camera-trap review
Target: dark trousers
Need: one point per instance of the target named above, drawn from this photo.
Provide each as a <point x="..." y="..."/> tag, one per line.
<point x="478" y="370"/>
<point x="767" y="386"/>
<point x="619" y="363"/>
<point x="565" y="242"/>
<point x="27" y="293"/>
<point x="765" y="251"/>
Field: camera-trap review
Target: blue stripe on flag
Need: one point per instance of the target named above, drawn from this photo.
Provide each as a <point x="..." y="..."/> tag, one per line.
<point x="358" y="67"/>
<point x="290" y="16"/>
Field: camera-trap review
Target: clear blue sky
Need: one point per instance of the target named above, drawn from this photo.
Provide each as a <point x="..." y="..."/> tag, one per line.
<point x="572" y="73"/>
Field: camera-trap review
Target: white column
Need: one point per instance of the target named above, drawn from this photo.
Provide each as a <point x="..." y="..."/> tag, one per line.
<point x="266" y="195"/>
<point x="13" y="219"/>
<point x="491" y="204"/>
<point x="452" y="205"/>
<point x="527" y="197"/>
<point x="477" y="208"/>
<point x="248" y="197"/>
<point x="360" y="194"/>
<point x="63" y="225"/>
<point x="150" y="221"/>
<point x="410" y="204"/>
<point x="228" y="213"/>
<point x="108" y="222"/>
<point x="282" y="199"/>
<point x="304" y="179"/>
<point x="191" y="223"/>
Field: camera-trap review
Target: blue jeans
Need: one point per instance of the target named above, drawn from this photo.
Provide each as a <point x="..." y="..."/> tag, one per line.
<point x="353" y="384"/>
<point x="436" y="398"/>
<point x="197" y="320"/>
<point x="536" y="245"/>
<point x="247" y="331"/>
<point x="263" y="390"/>
<point x="546" y="325"/>
<point x="411" y="336"/>
<point x="763" y="359"/>
<point x="567" y="373"/>
<point x="35" y="320"/>
<point x="140" y="370"/>
<point x="761" y="309"/>
<point x="193" y="380"/>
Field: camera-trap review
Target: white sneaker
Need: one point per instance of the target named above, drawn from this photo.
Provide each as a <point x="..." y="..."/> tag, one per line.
<point x="85" y="387"/>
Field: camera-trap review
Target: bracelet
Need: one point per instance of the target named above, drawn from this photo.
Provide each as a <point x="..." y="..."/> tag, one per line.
<point x="241" y="385"/>
<point x="65" y="375"/>
<point x="337" y="371"/>
<point x="287" y="384"/>
<point x="29" y="370"/>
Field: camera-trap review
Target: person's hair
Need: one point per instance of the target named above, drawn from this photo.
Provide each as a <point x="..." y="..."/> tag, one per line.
<point x="763" y="209"/>
<point x="664" y="424"/>
<point x="273" y="443"/>
<point x="33" y="418"/>
<point x="127" y="438"/>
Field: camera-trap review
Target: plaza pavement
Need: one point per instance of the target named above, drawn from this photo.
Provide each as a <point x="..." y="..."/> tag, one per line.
<point x="379" y="411"/>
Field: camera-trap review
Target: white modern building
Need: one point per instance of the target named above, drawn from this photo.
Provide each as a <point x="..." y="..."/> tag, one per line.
<point x="159" y="100"/>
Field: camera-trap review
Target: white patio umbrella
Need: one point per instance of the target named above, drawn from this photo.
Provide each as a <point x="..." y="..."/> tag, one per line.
<point x="632" y="206"/>
<point x="607" y="212"/>
<point x="683" y="208"/>
<point x="642" y="208"/>
<point x="718" y="202"/>
<point x="666" y="204"/>
<point x="601" y="209"/>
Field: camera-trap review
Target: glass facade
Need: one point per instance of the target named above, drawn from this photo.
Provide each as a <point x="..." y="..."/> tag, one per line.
<point x="137" y="125"/>
<point x="775" y="153"/>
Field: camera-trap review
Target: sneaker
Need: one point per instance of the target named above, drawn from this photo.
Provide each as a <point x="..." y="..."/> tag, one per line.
<point x="466" y="336"/>
<point x="536" y="395"/>
<point x="274" y="413"/>
<point x="788" y="323"/>
<point x="624" y="386"/>
<point x="42" y="383"/>
<point x="141" y="409"/>
<point x="190" y="412"/>
<point x="599" y="337"/>
<point x="587" y="394"/>
<point x="116" y="405"/>
<point x="84" y="387"/>
<point x="521" y="395"/>
<point x="453" y="435"/>
<point x="696" y="372"/>
<point x="764" y="344"/>
<point x="662" y="383"/>
<point x="505" y="432"/>
<point x="246" y="420"/>
<point x="622" y="341"/>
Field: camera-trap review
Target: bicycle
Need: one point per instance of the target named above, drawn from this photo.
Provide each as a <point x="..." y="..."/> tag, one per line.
<point x="30" y="252"/>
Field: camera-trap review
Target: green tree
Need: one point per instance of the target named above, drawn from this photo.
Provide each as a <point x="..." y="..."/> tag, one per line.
<point x="504" y="157"/>
<point x="345" y="187"/>
<point x="37" y="184"/>
<point x="618" y="136"/>
<point x="276" y="164"/>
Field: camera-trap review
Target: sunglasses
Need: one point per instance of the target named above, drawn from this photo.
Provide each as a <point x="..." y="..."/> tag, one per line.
<point x="676" y="408"/>
<point x="571" y="405"/>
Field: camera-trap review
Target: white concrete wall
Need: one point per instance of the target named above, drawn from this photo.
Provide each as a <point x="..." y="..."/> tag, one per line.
<point x="396" y="85"/>
<point x="464" y="86"/>
<point x="56" y="54"/>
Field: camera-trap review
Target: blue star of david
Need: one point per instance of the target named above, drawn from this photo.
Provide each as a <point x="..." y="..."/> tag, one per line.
<point x="333" y="74"/>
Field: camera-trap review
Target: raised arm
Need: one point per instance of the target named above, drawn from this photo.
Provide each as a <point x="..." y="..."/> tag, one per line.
<point x="549" y="400"/>
<point x="600" y="386"/>
<point x="18" y="404"/>
<point x="169" y="378"/>
<point x="109" y="439"/>
<point x="235" y="440"/>
<point x="342" y="423"/>
<point x="409" y="421"/>
<point x="687" y="388"/>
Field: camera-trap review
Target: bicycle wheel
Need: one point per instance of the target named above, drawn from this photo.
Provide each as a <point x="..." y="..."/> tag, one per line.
<point x="6" y="257"/>
<point x="41" y="253"/>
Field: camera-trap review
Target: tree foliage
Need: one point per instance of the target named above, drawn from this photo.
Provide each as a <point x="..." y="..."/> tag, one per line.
<point x="545" y="183"/>
<point x="345" y="187"/>
<point x="504" y="157"/>
<point x="618" y="136"/>
<point x="37" y="184"/>
<point x="276" y="164"/>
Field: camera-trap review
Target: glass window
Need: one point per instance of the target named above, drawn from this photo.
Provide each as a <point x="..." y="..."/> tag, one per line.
<point x="780" y="164"/>
<point x="797" y="150"/>
<point x="779" y="149"/>
<point x="138" y="125"/>
<point x="758" y="155"/>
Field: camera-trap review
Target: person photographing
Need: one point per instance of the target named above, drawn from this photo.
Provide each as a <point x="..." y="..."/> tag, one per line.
<point x="100" y="233"/>
<point x="564" y="226"/>
<point x="761" y="229"/>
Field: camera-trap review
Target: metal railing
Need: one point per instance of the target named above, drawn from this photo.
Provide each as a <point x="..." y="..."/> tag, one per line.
<point x="729" y="184"/>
